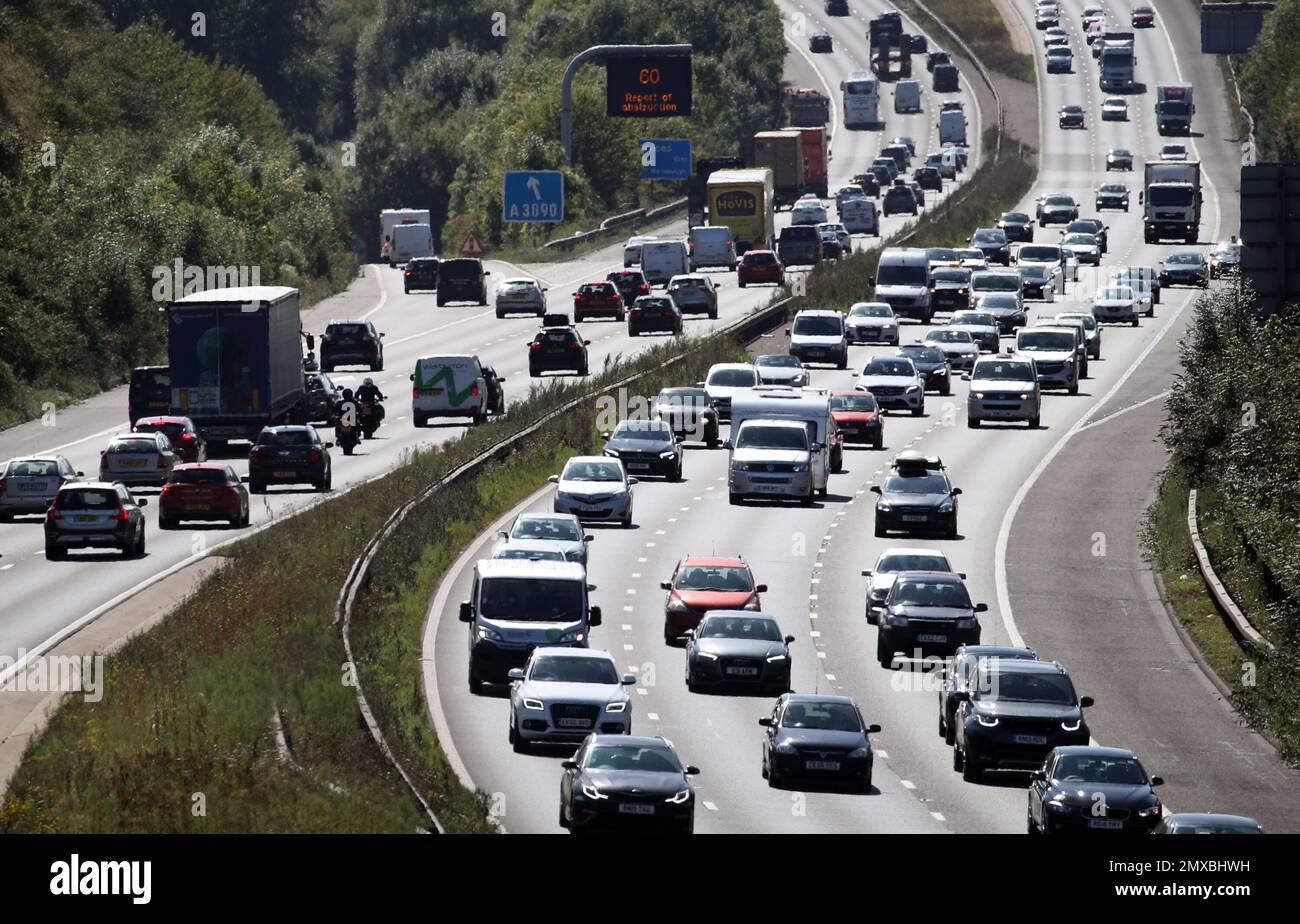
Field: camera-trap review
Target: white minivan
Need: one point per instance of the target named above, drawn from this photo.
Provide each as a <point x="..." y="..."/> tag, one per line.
<point x="711" y="245"/>
<point x="859" y="216"/>
<point x="952" y="127"/>
<point x="410" y="241"/>
<point x="799" y="468"/>
<point x="448" y="386"/>
<point x="907" y="96"/>
<point x="662" y="260"/>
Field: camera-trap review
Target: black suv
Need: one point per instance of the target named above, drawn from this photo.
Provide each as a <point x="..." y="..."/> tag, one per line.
<point x="557" y="349"/>
<point x="899" y="200"/>
<point x="1013" y="713"/>
<point x="916" y="497"/>
<point x="1017" y="226"/>
<point x="150" y="394"/>
<point x="957" y="676"/>
<point x="462" y="280"/>
<point x="292" y="454"/>
<point x="351" y="343"/>
<point x="926" y="613"/>
<point x="421" y="273"/>
<point x="821" y="41"/>
<point x="837" y="7"/>
<point x="799" y="245"/>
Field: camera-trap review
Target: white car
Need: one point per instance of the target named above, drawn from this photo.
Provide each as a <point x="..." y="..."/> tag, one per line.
<point x="1116" y="304"/>
<point x="972" y="258"/>
<point x="982" y="327"/>
<point x="137" y="459"/>
<point x="808" y="213"/>
<point x="958" y="345"/>
<point x="566" y="694"/>
<point x="28" y="484"/>
<point x="1083" y="247"/>
<point x="1056" y="36"/>
<point x="594" y="488"/>
<point x="723" y="380"/>
<point x="519" y="296"/>
<point x="880" y="576"/>
<point x="777" y="369"/>
<point x="872" y="322"/>
<point x="1173" y="152"/>
<point x="546" y="533"/>
<point x="894" y="382"/>
<point x="845" y="193"/>
<point x="1226" y="258"/>
<point x="1115" y="108"/>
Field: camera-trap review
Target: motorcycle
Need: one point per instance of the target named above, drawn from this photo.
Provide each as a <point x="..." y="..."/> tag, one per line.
<point x="372" y="414"/>
<point x="346" y="437"/>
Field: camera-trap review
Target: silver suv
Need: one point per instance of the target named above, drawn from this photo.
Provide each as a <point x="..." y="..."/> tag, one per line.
<point x="1003" y="387"/>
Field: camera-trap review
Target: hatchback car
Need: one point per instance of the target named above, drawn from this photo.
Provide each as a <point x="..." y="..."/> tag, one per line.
<point x="1055" y="354"/>
<point x="917" y="497"/>
<point x="858" y="417"/>
<point x="994" y="243"/>
<point x="695" y="294"/>
<point x="520" y="295"/>
<point x="781" y="369"/>
<point x="926" y="613"/>
<point x="420" y="273"/>
<point x="351" y="343"/>
<point x="957" y="346"/>
<point x="646" y="447"/>
<point x="203" y="491"/>
<point x="821" y="42"/>
<point x="957" y="676"/>
<point x="688" y="413"/>
<point x="701" y="584"/>
<point x="594" y="488"/>
<point x="950" y="288"/>
<point x="94" y="514"/>
<point x="871" y="322"/>
<point x="1057" y="208"/>
<point x="759" y="266"/>
<point x="1091" y="329"/>
<point x="1111" y="196"/>
<point x="1173" y="152"/>
<point x="654" y="313"/>
<point x="138" y="459"/>
<point x="982" y="326"/>
<point x="1060" y="60"/>
<point x="722" y="382"/>
<point x="817" y="737"/>
<point x="1119" y="159"/>
<point x="1086" y="788"/>
<point x="1226" y="259"/>
<point x="1084" y="247"/>
<point x="555" y="532"/>
<point x="557" y="349"/>
<point x="29" y="484"/>
<point x="631" y="284"/>
<point x="185" y="440"/>
<point x="565" y="694"/>
<point x="598" y="299"/>
<point x="625" y="781"/>
<point x="292" y="454"/>
<point x="1114" y="109"/>
<point x="740" y="651"/>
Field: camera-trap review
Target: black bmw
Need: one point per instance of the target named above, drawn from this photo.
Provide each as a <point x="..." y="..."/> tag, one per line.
<point x="646" y="447"/>
<point x="617" y="780"/>
<point x="1089" y="788"/>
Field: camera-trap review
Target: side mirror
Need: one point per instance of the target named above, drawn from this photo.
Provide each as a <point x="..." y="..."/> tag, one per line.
<point x="875" y="489"/>
<point x="593" y="616"/>
<point x="142" y="502"/>
<point x="411" y="376"/>
<point x="760" y="589"/>
<point x="604" y="434"/>
<point x="981" y="607"/>
<point x="1011" y="348"/>
<point x="569" y="765"/>
<point x="666" y="585"/>
<point x="588" y="538"/>
<point x="1085" y="702"/>
<point x="787" y="332"/>
<point x="515" y="673"/>
<point x="692" y="770"/>
<point x="962" y="575"/>
<point x="1038" y="776"/>
<point x="81" y="474"/>
<point x="329" y="445"/>
<point x="789" y="639"/>
<point x="586" y="343"/>
<point x="466" y="611"/>
<point x="553" y="479"/>
<point x="590" y="588"/>
<point x="1157" y="781"/>
<point x="866" y="572"/>
<point x="765" y="721"/>
<point x="965" y="376"/>
<point x="688" y="633"/>
<point x="628" y="680"/>
<point x="632" y="481"/>
<point x="244" y="478"/>
<point x="956" y="491"/>
<point x="873" y="729"/>
<point x="502" y="534"/>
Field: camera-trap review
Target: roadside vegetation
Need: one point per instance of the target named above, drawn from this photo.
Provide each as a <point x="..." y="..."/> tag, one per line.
<point x="1269" y="77"/>
<point x="1234" y="435"/>
<point x="980" y="26"/>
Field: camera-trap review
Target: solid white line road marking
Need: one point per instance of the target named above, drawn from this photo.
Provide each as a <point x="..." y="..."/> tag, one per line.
<point x="908" y="784"/>
<point x="1131" y="407"/>
<point x="710" y="806"/>
<point x="652" y="716"/>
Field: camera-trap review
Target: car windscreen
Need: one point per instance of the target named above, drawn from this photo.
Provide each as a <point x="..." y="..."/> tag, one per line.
<point x="734" y="378"/>
<point x="1001" y="301"/>
<point x="916" y="484"/>
<point x="942" y="254"/>
<point x="560" y="529"/>
<point x="746" y="627"/>
<point x="949" y="336"/>
<point x="1038" y="254"/>
<point x="1015" y="218"/>
<point x="861" y="403"/>
<point x="1185" y="259"/>
<point x="346" y="330"/>
<point x="634" y="758"/>
<point x="1064" y="201"/>
<point x="860" y="87"/>
<point x="1087" y="320"/>
<point x="173" y="431"/>
<point x="775" y="360"/>
<point x="995" y="282"/>
<point x="817" y="326"/>
<point x="715" y="577"/>
<point x="1021" y="687"/>
<point x="989" y="236"/>
<point x="1083" y="240"/>
<point x="930" y="593"/>
<point x="871" y="311"/>
<point x="285" y="438"/>
<point x="1085" y="768"/>
<point x="529" y="554"/>
<point x="530" y="599"/>
<point x="1117" y="294"/>
<point x="40" y="468"/>
<point x="762" y="436"/>
<point x="573" y="670"/>
<point x="592" y="471"/>
<point x="951" y="275"/>
<point x="922" y="354"/>
<point x="675" y="399"/>
<point x="643" y="430"/>
<point x="897" y="274"/>
<point x="997" y="371"/>
<point x="461" y="270"/>
<point x="974" y="319"/>
<point x="197" y="476"/>
<point x="882" y="366"/>
<point x="129" y="445"/>
<point x="88" y="499"/>
<point x="891" y="564"/>
<point x="152" y="378"/>
<point x="759" y="259"/>
<point x="822" y="716"/>
<point x="1050" y="341"/>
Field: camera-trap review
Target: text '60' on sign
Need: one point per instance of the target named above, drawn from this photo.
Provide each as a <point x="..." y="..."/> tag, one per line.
<point x="648" y="87"/>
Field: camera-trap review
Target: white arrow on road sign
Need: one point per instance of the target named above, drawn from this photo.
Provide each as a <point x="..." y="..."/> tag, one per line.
<point x="536" y="186"/>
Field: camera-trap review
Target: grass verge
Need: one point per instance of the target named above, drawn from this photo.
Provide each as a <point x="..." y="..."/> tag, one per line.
<point x="981" y="27"/>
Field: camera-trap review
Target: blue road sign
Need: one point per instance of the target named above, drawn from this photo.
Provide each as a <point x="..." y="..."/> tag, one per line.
<point x="533" y="195"/>
<point x="664" y="159"/>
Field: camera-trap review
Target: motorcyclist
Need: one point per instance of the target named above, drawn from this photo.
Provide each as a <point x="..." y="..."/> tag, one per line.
<point x="370" y="394"/>
<point x="345" y="416"/>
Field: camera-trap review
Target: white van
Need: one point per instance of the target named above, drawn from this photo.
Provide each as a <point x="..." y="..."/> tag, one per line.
<point x="907" y="96"/>
<point x="632" y="249"/>
<point x="516" y="605"/>
<point x="662" y="260"/>
<point x="410" y="241"/>
<point x="952" y="127"/>
<point x="390" y="219"/>
<point x="810" y="407"/>
<point x="448" y="386"/>
<point x="712" y="245"/>
<point x="903" y="282"/>
<point x="859" y="216"/>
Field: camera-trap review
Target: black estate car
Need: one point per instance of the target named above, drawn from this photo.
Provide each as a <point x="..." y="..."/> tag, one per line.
<point x="293" y="454"/>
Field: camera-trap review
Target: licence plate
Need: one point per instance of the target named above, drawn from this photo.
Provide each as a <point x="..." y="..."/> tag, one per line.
<point x="591" y="509"/>
<point x="1031" y="739"/>
<point x="913" y="519"/>
<point x="30" y="488"/>
<point x="743" y="671"/>
<point x="198" y="506"/>
<point x="822" y="764"/>
<point x="637" y="466"/>
<point x="575" y="723"/>
<point x="932" y="638"/>
<point x="430" y="391"/>
<point x="768" y="488"/>
<point x="1109" y="824"/>
<point x="131" y="463"/>
<point x="284" y="474"/>
<point x="636" y="808"/>
<point x="86" y="519"/>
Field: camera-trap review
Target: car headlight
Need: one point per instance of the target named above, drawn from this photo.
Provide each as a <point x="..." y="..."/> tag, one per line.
<point x="676" y="604"/>
<point x="772" y="659"/>
<point x="912" y="388"/>
<point x="591" y="792"/>
<point x="799" y="469"/>
<point x="679" y="798"/>
<point x="534" y="704"/>
<point x="1057" y="803"/>
<point x="897" y="619"/>
<point x="613" y="453"/>
<point x="753" y="606"/>
<point x="706" y="655"/>
<point x="988" y="721"/>
<point x="620" y="706"/>
<point x="882" y="507"/>
<point x="860" y="753"/>
<point x="491" y="634"/>
<point x="1150" y="812"/>
<point x="575" y="636"/>
<point x="668" y="454"/>
<point x="783" y="747"/>
<point x="946" y="507"/>
<point x="979" y="396"/>
<point x="1071" y="726"/>
<point x="966" y="622"/>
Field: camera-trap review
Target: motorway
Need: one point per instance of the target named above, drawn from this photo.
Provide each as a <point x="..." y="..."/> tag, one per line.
<point x="811" y="557"/>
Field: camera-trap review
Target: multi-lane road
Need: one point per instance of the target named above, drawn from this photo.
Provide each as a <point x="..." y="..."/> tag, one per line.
<point x="810" y="558"/>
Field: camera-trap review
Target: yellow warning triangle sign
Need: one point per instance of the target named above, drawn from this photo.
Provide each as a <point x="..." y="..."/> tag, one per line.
<point x="470" y="247"/>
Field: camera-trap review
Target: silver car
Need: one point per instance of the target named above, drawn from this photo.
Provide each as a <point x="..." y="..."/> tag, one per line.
<point x="594" y="488"/>
<point x="871" y="322"/>
<point x="137" y="459"/>
<point x="694" y="294"/>
<point x="1091" y="329"/>
<point x="775" y="369"/>
<point x="520" y="296"/>
<point x="1003" y="388"/>
<point x="565" y="694"/>
<point x="880" y="576"/>
<point x="557" y="532"/>
<point x="28" y="485"/>
<point x="958" y="345"/>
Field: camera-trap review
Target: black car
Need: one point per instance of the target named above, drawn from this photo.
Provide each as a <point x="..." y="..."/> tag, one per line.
<point x="1185" y="268"/>
<point x="935" y="58"/>
<point x="496" y="403"/>
<point x="646" y="447"/>
<point x="739" y="650"/>
<point x="351" y="343"/>
<point x="420" y="273"/>
<point x="928" y="178"/>
<point x="462" y="279"/>
<point x="150" y="394"/>
<point x="322" y="398"/>
<point x="899" y="200"/>
<point x="1071" y="117"/>
<point x="1088" y="788"/>
<point x="916" y="497"/>
<point x="949" y="288"/>
<point x="631" y="284"/>
<point x="837" y="7"/>
<point x="293" y="454"/>
<point x="932" y="363"/>
<point x="884" y="176"/>
<point x="1119" y="159"/>
<point x="1093" y="226"/>
<point x="557" y="349"/>
<point x="899" y="152"/>
<point x="94" y="514"/>
<point x="994" y="243"/>
<point x="1206" y="823"/>
<point x="817" y="736"/>
<point x="688" y="413"/>
<point x="832" y="248"/>
<point x="926" y="613"/>
<point x="617" y="780"/>
<point x="919" y="44"/>
<point x="821" y="41"/>
<point x="957" y="677"/>
<point x="868" y="182"/>
<point x="654" y="313"/>
<point x="1013" y="713"/>
<point x="1017" y="226"/>
<point x="1111" y="196"/>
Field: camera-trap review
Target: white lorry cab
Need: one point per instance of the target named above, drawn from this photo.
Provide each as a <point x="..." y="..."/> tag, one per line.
<point x="448" y="386"/>
<point x="390" y="219"/>
<point x="662" y="260"/>
<point x="815" y="458"/>
<point x="411" y="241"/>
<point x="516" y="605"/>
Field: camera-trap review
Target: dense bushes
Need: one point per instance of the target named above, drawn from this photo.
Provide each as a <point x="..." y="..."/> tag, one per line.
<point x="1270" y="84"/>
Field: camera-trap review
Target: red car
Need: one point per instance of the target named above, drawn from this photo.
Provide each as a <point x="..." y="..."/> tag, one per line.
<point x="760" y="266"/>
<point x="858" y="417"/>
<point x="701" y="584"/>
<point x="186" y="441"/>
<point x="203" y="491"/>
<point x="631" y="284"/>
<point x="598" y="298"/>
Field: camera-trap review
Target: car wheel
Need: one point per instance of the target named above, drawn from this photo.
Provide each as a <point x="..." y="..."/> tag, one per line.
<point x="1030" y="827"/>
<point x="773" y="780"/>
<point x="256" y="487"/>
<point x="517" y="741"/>
<point x="1134" y="322"/>
<point x="55" y="553"/>
<point x="972" y="772"/>
<point x="564" y="822"/>
<point x="880" y="531"/>
<point x="958" y="758"/>
<point x="973" y="423"/>
<point x="474" y="682"/>
<point x="733" y="499"/>
<point x="883" y="655"/>
<point x="919" y="411"/>
<point x="946" y="390"/>
<point x="1074" y="388"/>
<point x="741" y="283"/>
<point x="1034" y="422"/>
<point x="167" y="523"/>
<point x="951" y="531"/>
<point x="631" y="331"/>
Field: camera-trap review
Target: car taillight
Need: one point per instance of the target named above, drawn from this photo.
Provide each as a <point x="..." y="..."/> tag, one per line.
<point x="473" y="391"/>
<point x="314" y="456"/>
<point x="53" y="514"/>
<point x="255" y="455"/>
<point x="162" y="460"/>
<point x="534" y="345"/>
<point x="575" y="345"/>
<point x="415" y="393"/>
<point x="120" y="515"/>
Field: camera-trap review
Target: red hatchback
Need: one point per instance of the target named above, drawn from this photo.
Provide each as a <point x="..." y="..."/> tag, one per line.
<point x="701" y="584"/>
<point x="186" y="441"/>
<point x="858" y="417"/>
<point x="598" y="298"/>
<point x="203" y="491"/>
<point x="760" y="266"/>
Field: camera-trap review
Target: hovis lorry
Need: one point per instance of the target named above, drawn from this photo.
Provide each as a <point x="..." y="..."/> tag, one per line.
<point x="782" y="153"/>
<point x="697" y="189"/>
<point x="236" y="360"/>
<point x="744" y="201"/>
<point x="1171" y="201"/>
